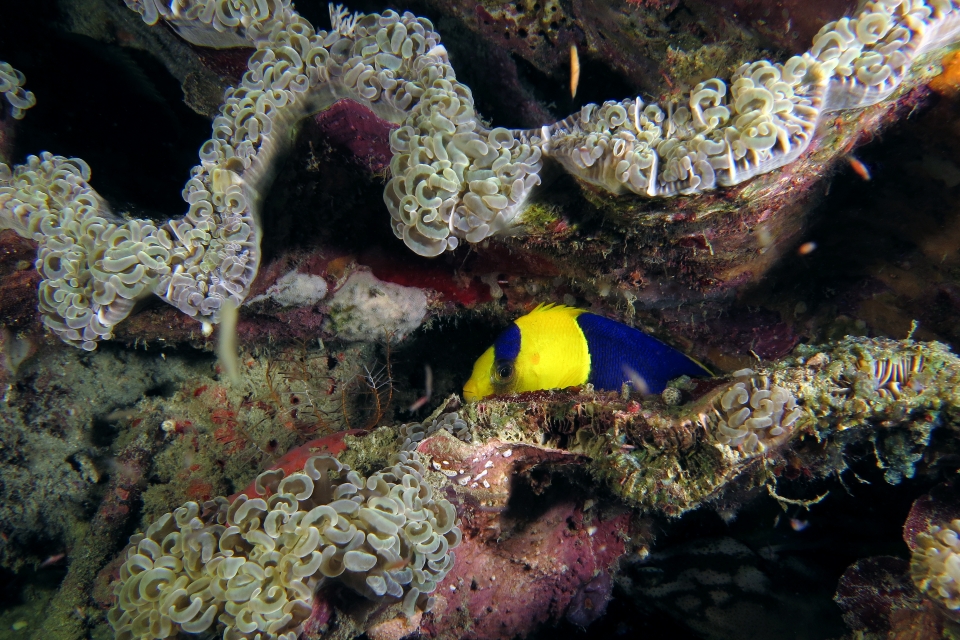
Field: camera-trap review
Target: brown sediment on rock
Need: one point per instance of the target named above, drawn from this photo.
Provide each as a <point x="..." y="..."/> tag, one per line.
<point x="915" y="598"/>
<point x="18" y="282"/>
<point x="877" y="596"/>
<point x="96" y="544"/>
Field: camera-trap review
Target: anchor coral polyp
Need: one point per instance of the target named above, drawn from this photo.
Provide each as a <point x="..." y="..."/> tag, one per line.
<point x="935" y="564"/>
<point x="254" y="566"/>
<point x="454" y="180"/>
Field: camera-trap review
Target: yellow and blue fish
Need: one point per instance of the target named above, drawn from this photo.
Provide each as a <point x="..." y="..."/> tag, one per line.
<point x="554" y="347"/>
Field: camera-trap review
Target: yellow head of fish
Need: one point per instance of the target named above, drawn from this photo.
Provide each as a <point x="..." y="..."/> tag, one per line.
<point x="554" y="347"/>
<point x="544" y="349"/>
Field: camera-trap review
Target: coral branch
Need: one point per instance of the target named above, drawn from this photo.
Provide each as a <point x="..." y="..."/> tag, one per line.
<point x="254" y="566"/>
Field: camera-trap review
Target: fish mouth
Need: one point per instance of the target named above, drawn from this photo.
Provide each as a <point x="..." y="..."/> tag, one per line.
<point x="470" y="393"/>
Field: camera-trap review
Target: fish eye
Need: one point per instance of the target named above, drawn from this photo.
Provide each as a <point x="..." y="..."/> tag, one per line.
<point x="503" y="371"/>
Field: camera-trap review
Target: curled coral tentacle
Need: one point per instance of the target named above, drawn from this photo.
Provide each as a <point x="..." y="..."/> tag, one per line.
<point x="454" y="179"/>
<point x="11" y="86"/>
<point x="254" y="566"/>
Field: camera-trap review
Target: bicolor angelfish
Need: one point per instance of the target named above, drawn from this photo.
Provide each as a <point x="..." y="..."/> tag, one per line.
<point x="554" y="347"/>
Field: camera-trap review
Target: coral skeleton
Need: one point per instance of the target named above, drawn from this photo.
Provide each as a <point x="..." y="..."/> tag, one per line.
<point x="453" y="179"/>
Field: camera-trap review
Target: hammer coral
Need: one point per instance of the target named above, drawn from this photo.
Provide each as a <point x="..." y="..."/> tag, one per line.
<point x="254" y="566"/>
<point x="453" y="179"/>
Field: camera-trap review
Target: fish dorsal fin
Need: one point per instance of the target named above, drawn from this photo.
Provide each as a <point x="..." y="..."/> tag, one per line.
<point x="557" y="308"/>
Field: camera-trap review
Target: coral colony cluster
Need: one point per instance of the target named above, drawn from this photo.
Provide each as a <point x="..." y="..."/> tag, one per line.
<point x="453" y="179"/>
<point x="753" y="416"/>
<point x="254" y="565"/>
<point x="891" y="596"/>
<point x="935" y="565"/>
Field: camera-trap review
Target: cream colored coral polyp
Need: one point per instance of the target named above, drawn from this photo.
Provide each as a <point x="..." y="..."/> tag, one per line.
<point x="935" y="564"/>
<point x="454" y="180"/>
<point x="255" y="565"/>
<point x="752" y="416"/>
<point x="11" y="87"/>
<point x="415" y="432"/>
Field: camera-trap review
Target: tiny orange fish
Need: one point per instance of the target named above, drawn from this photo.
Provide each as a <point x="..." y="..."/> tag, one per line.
<point x="799" y="525"/>
<point x="574" y="70"/>
<point x="859" y="168"/>
<point x="806" y="248"/>
<point x="52" y="560"/>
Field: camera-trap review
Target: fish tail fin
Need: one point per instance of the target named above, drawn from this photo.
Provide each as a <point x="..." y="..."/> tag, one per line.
<point x="701" y="365"/>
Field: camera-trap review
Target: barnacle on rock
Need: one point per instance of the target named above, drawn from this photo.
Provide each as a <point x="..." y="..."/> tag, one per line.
<point x="672" y="396"/>
<point x="254" y="566"/>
